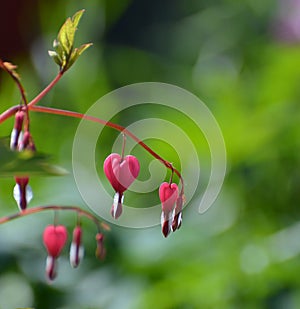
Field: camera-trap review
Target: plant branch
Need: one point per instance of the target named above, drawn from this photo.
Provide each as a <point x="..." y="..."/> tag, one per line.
<point x="46" y="90"/>
<point x="49" y="110"/>
<point x="16" y="79"/>
<point x="32" y="210"/>
<point x="8" y="113"/>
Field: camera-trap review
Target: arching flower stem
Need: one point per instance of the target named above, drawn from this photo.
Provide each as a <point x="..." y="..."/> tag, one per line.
<point x="29" y="211"/>
<point x="49" y="110"/>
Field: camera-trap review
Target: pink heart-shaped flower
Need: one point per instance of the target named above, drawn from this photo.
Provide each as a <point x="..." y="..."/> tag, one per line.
<point x="54" y="238"/>
<point x="121" y="173"/>
<point x="168" y="194"/>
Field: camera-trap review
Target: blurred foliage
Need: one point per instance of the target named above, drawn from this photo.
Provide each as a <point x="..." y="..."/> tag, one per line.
<point x="243" y="252"/>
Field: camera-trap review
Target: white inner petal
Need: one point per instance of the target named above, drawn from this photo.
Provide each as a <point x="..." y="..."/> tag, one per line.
<point x="17" y="194"/>
<point x="29" y="194"/>
<point x="116" y="202"/>
<point x="13" y="137"/>
<point x="73" y="254"/>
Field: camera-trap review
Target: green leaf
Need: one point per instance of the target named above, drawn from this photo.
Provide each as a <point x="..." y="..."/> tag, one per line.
<point x="83" y="47"/>
<point x="66" y="36"/>
<point x="76" y="53"/>
<point x="66" y="55"/>
<point x="26" y="163"/>
<point x="76" y="17"/>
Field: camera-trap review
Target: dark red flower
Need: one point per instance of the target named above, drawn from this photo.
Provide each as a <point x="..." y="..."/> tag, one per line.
<point x="120" y="172"/>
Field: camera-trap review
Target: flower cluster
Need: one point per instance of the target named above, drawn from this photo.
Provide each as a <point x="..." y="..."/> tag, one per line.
<point x="122" y="171"/>
<point x="20" y="141"/>
<point x="55" y="238"/>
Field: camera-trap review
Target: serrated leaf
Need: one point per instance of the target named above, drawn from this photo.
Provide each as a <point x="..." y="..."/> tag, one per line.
<point x="26" y="163"/>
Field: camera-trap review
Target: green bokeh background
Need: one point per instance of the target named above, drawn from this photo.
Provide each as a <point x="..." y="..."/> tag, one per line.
<point x="244" y="251"/>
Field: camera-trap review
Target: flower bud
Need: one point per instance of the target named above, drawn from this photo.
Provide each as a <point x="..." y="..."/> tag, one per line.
<point x="76" y="249"/>
<point x="17" y="130"/>
<point x="100" y="250"/>
<point x="26" y="142"/>
<point x="22" y="192"/>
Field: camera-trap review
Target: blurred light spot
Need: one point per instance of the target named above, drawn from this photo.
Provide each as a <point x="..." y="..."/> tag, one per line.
<point x="15" y="292"/>
<point x="253" y="259"/>
<point x="285" y="244"/>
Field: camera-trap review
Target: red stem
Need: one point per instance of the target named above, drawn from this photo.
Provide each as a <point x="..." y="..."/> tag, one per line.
<point x="11" y="111"/>
<point x="8" y="113"/>
<point x="37" y="209"/>
<point x="16" y="80"/>
<point x="32" y="106"/>
<point x="49" y="110"/>
<point x="46" y="90"/>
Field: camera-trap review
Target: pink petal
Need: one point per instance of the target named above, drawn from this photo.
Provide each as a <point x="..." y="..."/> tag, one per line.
<point x="168" y="194"/>
<point x="54" y="238"/>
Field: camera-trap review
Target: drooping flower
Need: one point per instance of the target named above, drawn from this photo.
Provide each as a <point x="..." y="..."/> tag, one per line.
<point x="22" y="192"/>
<point x="177" y="213"/>
<point x="26" y="142"/>
<point x="16" y="133"/>
<point x="100" y="250"/>
<point x="168" y="194"/>
<point x="54" y="238"/>
<point x="120" y="172"/>
<point x="76" y="249"/>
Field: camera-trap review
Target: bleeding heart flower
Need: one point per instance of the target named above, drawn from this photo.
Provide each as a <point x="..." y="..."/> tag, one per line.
<point x="16" y="133"/>
<point x="26" y="142"/>
<point x="55" y="238"/>
<point x="168" y="194"/>
<point x="22" y="192"/>
<point x="76" y="250"/>
<point x="121" y="172"/>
